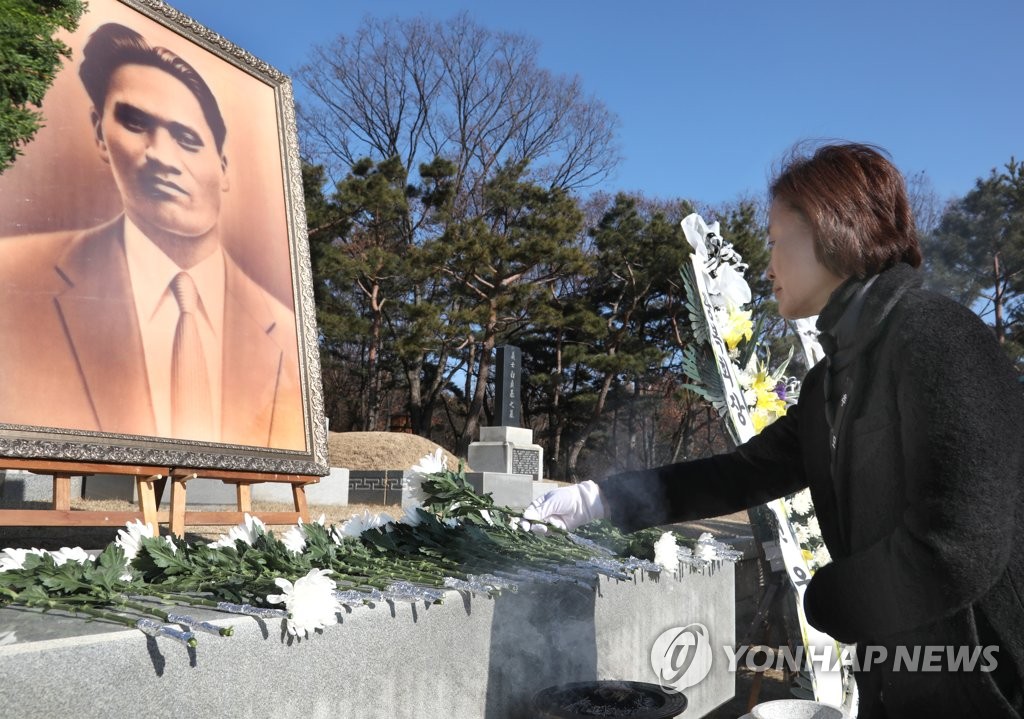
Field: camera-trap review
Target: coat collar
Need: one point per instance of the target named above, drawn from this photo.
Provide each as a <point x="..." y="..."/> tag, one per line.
<point x="850" y="324"/>
<point x="872" y="299"/>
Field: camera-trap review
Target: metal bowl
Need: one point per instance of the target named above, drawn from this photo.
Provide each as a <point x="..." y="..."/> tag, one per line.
<point x="635" y="700"/>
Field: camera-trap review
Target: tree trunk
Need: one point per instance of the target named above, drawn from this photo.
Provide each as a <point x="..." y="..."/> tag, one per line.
<point x="577" y="444"/>
<point x="557" y="421"/>
<point x="476" y="407"/>
<point x="999" y="299"/>
<point x="373" y="390"/>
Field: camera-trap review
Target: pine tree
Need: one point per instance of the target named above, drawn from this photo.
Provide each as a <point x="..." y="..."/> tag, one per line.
<point x="29" y="60"/>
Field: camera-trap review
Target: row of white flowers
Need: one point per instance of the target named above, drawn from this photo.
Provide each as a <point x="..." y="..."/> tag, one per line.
<point x="310" y="599"/>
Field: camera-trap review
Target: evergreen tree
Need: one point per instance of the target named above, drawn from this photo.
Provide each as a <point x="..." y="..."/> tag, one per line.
<point x="502" y="263"/>
<point x="619" y="356"/>
<point x="29" y="60"/>
<point x="976" y="254"/>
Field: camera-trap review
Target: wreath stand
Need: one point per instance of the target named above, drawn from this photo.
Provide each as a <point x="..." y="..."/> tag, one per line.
<point x="150" y="481"/>
<point x="777" y="606"/>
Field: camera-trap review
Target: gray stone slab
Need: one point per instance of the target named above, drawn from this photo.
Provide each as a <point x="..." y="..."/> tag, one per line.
<point x="468" y="657"/>
<point x="19" y="486"/>
<point x="202" y="490"/>
<point x="330" y="490"/>
<point x="515" y="435"/>
<point x="117" y="486"/>
<point x="507" y="490"/>
<point x="382" y="486"/>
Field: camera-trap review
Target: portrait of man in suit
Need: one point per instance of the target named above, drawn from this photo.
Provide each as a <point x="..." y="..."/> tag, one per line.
<point x="146" y="324"/>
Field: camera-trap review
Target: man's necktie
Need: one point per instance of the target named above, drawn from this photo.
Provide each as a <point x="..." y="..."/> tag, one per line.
<point x="191" y="413"/>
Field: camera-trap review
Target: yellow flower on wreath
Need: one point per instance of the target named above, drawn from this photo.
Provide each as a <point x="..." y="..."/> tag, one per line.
<point x="737" y="327"/>
<point x="769" y="405"/>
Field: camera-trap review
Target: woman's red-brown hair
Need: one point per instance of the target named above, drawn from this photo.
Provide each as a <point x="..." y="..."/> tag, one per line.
<point x="855" y="200"/>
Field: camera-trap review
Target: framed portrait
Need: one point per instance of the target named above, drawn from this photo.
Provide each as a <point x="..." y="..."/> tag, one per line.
<point x="156" y="298"/>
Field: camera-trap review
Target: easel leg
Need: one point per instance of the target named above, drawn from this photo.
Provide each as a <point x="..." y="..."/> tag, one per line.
<point x="178" y="506"/>
<point x="299" y="496"/>
<point x="62" y="492"/>
<point x="244" y="494"/>
<point x="147" y="499"/>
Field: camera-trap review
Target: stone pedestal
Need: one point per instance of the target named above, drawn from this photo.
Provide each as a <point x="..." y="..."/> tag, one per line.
<point x="507" y="490"/>
<point x="509" y="450"/>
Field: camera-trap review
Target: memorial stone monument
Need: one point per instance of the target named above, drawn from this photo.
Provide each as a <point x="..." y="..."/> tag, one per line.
<point x="505" y="461"/>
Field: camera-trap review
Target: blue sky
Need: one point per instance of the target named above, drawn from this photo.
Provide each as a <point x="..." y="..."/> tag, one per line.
<point x="711" y="93"/>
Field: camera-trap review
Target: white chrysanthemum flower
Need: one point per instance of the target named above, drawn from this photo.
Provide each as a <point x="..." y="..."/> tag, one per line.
<point x="801" y="502"/>
<point x="666" y="552"/>
<point x="130" y="538"/>
<point x="813" y="527"/>
<point x="451" y="522"/>
<point x="412" y="489"/>
<point x="802" y="535"/>
<point x="295" y="538"/>
<point x="431" y="463"/>
<point x="360" y="523"/>
<point x="411" y="517"/>
<point x="487" y="517"/>
<point x="310" y="602"/>
<point x="71" y="554"/>
<point x="248" y="532"/>
<point x="821" y="556"/>
<point x="15" y="558"/>
<point x="750" y="396"/>
<point x="705" y="548"/>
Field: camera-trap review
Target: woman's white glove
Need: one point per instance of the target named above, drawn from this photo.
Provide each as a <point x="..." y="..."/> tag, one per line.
<point x="565" y="507"/>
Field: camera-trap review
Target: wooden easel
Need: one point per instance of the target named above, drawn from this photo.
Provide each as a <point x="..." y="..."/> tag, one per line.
<point x="243" y="482"/>
<point x="148" y="479"/>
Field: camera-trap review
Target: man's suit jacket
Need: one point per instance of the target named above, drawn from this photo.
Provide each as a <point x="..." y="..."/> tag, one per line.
<point x="72" y="354"/>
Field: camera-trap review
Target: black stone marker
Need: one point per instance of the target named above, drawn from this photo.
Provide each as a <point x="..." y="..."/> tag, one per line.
<point x="506" y="386"/>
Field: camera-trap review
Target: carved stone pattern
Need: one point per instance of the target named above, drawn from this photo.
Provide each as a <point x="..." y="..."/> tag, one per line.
<point x="379" y="483"/>
<point x="525" y="461"/>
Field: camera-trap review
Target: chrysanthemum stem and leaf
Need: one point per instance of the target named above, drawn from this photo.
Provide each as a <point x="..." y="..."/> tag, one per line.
<point x="457" y="538"/>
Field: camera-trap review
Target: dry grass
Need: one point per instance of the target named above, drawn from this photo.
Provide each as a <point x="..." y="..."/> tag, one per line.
<point x="380" y="450"/>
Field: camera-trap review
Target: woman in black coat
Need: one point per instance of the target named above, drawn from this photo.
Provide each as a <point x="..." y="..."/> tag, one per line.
<point x="910" y="435"/>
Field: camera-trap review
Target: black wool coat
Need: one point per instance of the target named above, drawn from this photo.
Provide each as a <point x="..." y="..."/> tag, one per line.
<point x="923" y="516"/>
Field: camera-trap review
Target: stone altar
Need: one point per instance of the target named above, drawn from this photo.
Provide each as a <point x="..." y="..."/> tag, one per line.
<point x="469" y="657"/>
